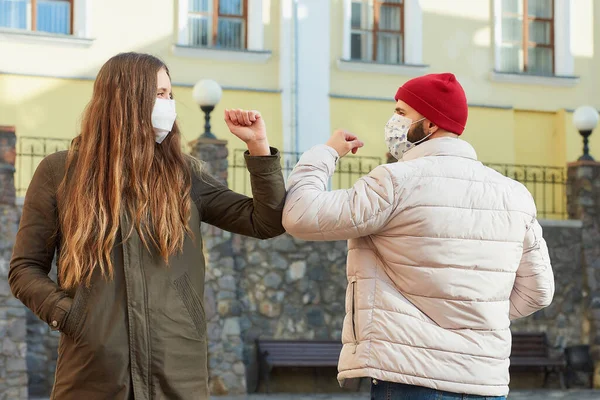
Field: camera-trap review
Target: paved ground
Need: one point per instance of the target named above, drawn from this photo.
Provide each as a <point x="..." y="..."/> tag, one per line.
<point x="515" y="395"/>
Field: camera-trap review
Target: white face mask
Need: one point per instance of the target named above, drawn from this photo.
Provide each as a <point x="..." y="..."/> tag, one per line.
<point x="396" y="135"/>
<point x="163" y="118"/>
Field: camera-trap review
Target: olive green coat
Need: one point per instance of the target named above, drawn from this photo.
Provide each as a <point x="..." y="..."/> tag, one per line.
<point x="142" y="335"/>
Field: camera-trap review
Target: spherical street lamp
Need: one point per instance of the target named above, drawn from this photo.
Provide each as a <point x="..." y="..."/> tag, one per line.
<point x="207" y="94"/>
<point x="585" y="119"/>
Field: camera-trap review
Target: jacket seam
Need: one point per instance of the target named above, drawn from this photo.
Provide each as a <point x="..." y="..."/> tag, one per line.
<point x="437" y="325"/>
<point x="455" y="238"/>
<point x="426" y="377"/>
<point x="451" y="299"/>
<point x="489" y="182"/>
<point x="503" y="271"/>
<point x="463" y="208"/>
<point x="441" y="350"/>
<point x="52" y="177"/>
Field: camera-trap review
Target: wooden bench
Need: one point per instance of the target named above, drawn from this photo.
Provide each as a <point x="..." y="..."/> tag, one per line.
<point x="295" y="353"/>
<point x="529" y="350"/>
<point x="532" y="350"/>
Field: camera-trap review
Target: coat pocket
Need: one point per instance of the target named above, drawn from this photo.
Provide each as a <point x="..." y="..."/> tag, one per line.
<point x="192" y="303"/>
<point x="354" y="312"/>
<point x="77" y="312"/>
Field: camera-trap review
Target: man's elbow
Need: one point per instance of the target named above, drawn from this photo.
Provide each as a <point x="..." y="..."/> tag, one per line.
<point x="546" y="297"/>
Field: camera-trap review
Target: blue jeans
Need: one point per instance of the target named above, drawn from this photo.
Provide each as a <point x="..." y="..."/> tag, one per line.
<point x="398" y="391"/>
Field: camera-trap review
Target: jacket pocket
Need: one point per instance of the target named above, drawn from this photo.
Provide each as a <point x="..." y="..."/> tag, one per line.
<point x="77" y="312"/>
<point x="192" y="303"/>
<point x="354" y="310"/>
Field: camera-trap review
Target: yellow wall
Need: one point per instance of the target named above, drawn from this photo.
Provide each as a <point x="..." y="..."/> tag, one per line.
<point x="458" y="38"/>
<point x="52" y="108"/>
<point x="504" y="136"/>
<point x="144" y="26"/>
<point x="536" y="136"/>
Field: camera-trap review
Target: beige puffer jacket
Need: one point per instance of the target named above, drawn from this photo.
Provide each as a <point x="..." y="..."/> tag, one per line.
<point x="443" y="252"/>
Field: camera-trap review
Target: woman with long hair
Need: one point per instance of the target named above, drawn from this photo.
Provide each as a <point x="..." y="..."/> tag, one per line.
<point x="122" y="211"/>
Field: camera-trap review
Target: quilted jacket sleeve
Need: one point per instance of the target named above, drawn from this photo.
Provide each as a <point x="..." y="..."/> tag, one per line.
<point x="312" y="212"/>
<point x="534" y="284"/>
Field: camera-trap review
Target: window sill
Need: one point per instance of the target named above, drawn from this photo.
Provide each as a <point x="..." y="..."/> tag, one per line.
<point x="16" y="35"/>
<point x="249" y="56"/>
<point x="389" y="69"/>
<point x="526" y="79"/>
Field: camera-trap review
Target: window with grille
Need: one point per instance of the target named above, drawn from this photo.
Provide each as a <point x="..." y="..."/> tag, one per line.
<point x="527" y="42"/>
<point x="218" y="23"/>
<point x="51" y="16"/>
<point x="377" y="31"/>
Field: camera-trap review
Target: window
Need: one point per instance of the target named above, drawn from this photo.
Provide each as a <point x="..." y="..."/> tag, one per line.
<point x="51" y="16"/>
<point x="527" y="37"/>
<point x="218" y="23"/>
<point x="377" y="31"/>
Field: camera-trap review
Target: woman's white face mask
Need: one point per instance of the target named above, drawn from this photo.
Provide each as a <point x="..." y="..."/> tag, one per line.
<point x="396" y="135"/>
<point x="163" y="118"/>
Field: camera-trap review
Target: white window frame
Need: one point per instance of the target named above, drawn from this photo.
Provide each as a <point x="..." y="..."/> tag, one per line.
<point x="82" y="29"/>
<point x="413" y="44"/>
<point x="564" y="63"/>
<point x="255" y="25"/>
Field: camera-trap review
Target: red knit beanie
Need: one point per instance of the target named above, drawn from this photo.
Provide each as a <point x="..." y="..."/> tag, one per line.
<point x="439" y="98"/>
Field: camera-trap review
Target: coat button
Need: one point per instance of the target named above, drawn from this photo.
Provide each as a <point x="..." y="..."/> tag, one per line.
<point x="375" y="382"/>
<point x="54" y="324"/>
<point x="134" y="303"/>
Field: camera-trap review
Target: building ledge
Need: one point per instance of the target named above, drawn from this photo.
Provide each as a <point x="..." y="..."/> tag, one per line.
<point x="528" y="79"/>
<point x="22" y="36"/>
<point x="249" y="56"/>
<point x="567" y="223"/>
<point x="379" y="68"/>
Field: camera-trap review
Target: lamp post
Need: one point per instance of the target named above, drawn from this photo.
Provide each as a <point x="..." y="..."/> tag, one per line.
<point x="207" y="93"/>
<point x="585" y="119"/>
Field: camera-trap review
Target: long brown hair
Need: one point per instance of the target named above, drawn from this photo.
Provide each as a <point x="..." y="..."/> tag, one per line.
<point x="115" y="167"/>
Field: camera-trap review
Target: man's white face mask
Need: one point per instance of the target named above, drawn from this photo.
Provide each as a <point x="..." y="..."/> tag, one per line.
<point x="396" y="135"/>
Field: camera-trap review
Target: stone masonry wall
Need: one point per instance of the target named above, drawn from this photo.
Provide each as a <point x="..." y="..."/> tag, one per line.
<point x="13" y="348"/>
<point x="227" y="372"/>
<point x="565" y="319"/>
<point x="289" y="289"/>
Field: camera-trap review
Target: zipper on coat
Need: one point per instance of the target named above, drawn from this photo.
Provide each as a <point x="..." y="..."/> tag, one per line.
<point x="354" y="309"/>
<point x="141" y="249"/>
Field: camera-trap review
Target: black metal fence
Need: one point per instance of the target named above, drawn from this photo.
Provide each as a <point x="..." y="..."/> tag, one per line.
<point x="547" y="184"/>
<point x="30" y="152"/>
<point x="348" y="171"/>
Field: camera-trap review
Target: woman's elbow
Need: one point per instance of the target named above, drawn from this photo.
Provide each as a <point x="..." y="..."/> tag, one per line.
<point x="270" y="233"/>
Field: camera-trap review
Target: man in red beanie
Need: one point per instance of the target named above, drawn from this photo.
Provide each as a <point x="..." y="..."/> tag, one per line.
<point x="438" y="106"/>
<point x="443" y="252"/>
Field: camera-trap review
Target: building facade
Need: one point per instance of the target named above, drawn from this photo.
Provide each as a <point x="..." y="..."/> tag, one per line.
<point x="311" y="66"/>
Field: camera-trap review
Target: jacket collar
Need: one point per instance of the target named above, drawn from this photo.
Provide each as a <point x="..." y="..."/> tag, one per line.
<point x="444" y="146"/>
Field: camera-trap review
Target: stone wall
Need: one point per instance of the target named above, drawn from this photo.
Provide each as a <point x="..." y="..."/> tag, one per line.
<point x="583" y="204"/>
<point x="227" y="372"/>
<point x="13" y="348"/>
<point x="565" y="319"/>
<point x="289" y="289"/>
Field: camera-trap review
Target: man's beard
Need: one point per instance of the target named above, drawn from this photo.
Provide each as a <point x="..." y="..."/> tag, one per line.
<point x="417" y="133"/>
